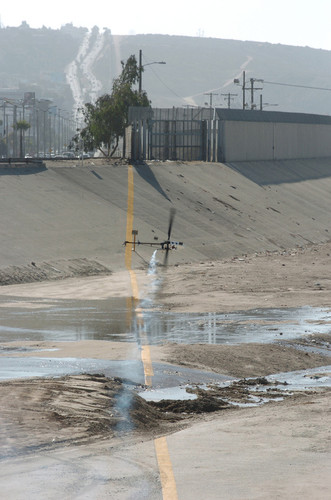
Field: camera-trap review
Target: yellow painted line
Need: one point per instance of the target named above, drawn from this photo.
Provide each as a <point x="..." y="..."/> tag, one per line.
<point x="129" y="219"/>
<point x="145" y="352"/>
<point x="169" y="490"/>
<point x="134" y="286"/>
<point x="147" y="361"/>
<point x="168" y="482"/>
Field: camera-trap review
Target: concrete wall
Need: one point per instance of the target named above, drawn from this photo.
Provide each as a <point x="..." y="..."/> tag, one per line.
<point x="66" y="212"/>
<point x="254" y="141"/>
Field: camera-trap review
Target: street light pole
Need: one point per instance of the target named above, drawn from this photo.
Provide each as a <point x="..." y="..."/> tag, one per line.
<point x="141" y="68"/>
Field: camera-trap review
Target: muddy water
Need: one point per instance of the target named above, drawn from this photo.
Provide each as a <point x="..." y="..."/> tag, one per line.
<point x="114" y="320"/>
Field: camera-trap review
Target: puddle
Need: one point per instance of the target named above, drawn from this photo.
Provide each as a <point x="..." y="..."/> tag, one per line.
<point x="253" y="401"/>
<point x="171" y="393"/>
<point x="27" y="367"/>
<point x="303" y="380"/>
<point x="280" y="386"/>
<point x="165" y="376"/>
<point x="114" y="320"/>
<point x="67" y="320"/>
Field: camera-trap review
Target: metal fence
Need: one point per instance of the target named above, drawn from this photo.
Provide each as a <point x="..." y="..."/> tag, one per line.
<point x="188" y="134"/>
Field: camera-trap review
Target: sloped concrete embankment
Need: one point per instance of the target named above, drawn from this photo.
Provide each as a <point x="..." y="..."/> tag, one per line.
<point x="79" y="212"/>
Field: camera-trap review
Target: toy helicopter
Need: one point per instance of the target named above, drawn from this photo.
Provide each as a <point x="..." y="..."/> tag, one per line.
<point x="164" y="245"/>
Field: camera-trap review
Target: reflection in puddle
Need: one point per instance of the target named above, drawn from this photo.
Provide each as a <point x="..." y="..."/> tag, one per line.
<point x="244" y="393"/>
<point x="174" y="393"/>
<point x="303" y="379"/>
<point x="26" y="367"/>
<point x="72" y="320"/>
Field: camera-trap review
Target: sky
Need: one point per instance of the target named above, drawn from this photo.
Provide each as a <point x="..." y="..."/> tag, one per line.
<point x="288" y="22"/>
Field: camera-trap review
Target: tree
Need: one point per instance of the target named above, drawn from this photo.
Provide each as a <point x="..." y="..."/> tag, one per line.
<point x="106" y="120"/>
<point x="22" y="126"/>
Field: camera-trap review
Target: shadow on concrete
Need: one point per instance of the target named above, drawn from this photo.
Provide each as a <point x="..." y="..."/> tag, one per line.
<point x="283" y="171"/>
<point x="96" y="174"/>
<point x="21" y="169"/>
<point x="146" y="173"/>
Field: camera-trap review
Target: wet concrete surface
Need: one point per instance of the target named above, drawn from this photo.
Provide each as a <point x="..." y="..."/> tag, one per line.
<point x="130" y="371"/>
<point x="113" y="320"/>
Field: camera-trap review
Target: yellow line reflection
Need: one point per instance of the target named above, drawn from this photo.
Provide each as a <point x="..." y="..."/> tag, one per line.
<point x="145" y="353"/>
<point x="169" y="490"/>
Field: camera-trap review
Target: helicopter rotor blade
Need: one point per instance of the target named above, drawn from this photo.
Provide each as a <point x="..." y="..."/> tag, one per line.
<point x="165" y="262"/>
<point x="167" y="247"/>
<point x="171" y="220"/>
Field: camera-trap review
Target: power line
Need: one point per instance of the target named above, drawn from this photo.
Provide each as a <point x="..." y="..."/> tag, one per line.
<point x="163" y="83"/>
<point x="167" y="87"/>
<point x="300" y="86"/>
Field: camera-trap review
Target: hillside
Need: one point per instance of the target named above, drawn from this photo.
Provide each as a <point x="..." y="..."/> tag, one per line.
<point x="74" y="65"/>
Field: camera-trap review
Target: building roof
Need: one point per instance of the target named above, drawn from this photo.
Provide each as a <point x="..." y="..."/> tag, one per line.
<point x="207" y="113"/>
<point x="270" y="116"/>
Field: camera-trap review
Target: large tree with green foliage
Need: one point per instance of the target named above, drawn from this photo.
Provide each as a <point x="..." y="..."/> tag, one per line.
<point x="106" y="120"/>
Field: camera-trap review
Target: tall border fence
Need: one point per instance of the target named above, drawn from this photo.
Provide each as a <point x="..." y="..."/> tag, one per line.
<point x="188" y="134"/>
<point x="225" y="135"/>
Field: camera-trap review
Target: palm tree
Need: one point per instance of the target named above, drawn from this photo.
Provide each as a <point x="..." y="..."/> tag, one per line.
<point x="22" y="126"/>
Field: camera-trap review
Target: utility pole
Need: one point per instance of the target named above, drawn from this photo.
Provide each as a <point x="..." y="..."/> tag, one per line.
<point x="237" y="81"/>
<point x="229" y="98"/>
<point x="251" y="88"/>
<point x="253" y="80"/>
<point x="263" y="104"/>
<point x="15" y="130"/>
<point x="210" y="98"/>
<point x="4" y="119"/>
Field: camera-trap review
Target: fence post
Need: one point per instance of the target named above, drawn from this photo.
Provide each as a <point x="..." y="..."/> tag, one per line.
<point x="203" y="140"/>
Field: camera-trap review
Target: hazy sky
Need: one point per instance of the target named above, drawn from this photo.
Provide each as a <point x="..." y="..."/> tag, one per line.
<point x="290" y="22"/>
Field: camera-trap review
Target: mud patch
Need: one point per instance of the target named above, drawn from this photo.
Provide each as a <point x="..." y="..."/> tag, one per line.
<point x="205" y="403"/>
<point x="215" y="398"/>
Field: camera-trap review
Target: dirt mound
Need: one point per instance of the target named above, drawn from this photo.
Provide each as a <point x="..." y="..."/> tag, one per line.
<point x="245" y="360"/>
<point x="72" y="410"/>
<point x="48" y="271"/>
<point x="46" y="413"/>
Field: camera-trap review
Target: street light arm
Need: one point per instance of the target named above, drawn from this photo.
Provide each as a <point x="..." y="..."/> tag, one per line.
<point x="141" y="69"/>
<point x="155" y="62"/>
